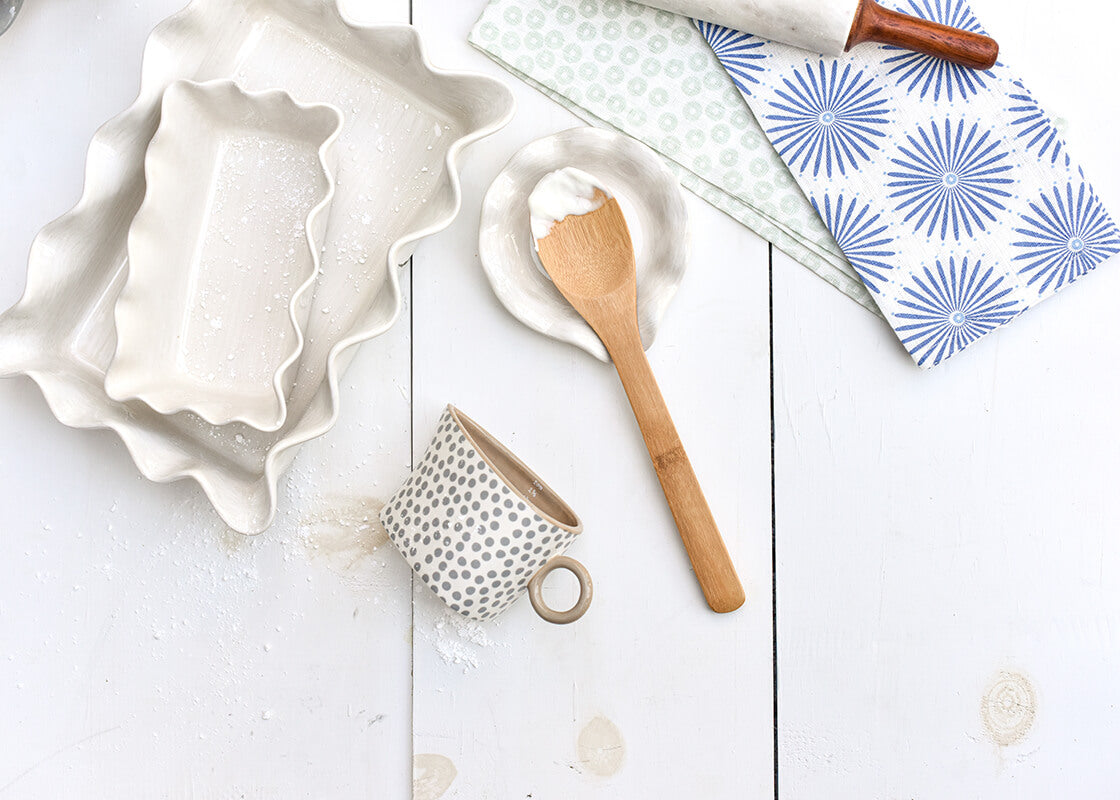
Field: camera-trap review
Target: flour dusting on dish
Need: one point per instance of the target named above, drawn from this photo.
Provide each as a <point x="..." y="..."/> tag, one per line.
<point x="564" y="193"/>
<point x="222" y="253"/>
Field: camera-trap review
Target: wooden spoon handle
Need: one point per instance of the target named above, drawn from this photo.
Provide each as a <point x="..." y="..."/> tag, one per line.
<point x="702" y="540"/>
<point x="873" y="23"/>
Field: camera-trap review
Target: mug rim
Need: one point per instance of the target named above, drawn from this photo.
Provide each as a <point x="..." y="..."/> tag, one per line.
<point x="459" y="416"/>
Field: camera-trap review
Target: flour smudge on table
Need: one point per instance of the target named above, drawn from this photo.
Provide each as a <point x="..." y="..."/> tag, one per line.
<point x="459" y="641"/>
<point x="344" y="534"/>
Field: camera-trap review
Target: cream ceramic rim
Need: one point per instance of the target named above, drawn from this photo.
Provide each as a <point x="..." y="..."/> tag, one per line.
<point x="459" y="417"/>
<point x="633" y="172"/>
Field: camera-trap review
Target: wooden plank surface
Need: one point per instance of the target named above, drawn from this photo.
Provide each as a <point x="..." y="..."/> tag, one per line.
<point x="651" y="694"/>
<point x="947" y="564"/>
<point x="947" y="549"/>
<point x="146" y="651"/>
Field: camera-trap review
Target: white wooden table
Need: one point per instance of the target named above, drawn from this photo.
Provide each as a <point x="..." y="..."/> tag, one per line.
<point x="931" y="559"/>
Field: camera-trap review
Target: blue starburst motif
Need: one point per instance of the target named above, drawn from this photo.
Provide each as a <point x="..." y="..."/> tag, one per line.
<point x="930" y="75"/>
<point x="1034" y="127"/>
<point x="738" y="52"/>
<point x="951" y="179"/>
<point x="1066" y="235"/>
<point x="861" y="236"/>
<point x="827" y="119"/>
<point x="949" y="310"/>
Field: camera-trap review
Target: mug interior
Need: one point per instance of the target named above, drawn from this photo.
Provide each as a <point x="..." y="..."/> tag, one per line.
<point x="517" y="476"/>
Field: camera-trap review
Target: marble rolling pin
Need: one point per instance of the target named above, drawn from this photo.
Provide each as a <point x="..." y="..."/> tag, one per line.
<point x="832" y="27"/>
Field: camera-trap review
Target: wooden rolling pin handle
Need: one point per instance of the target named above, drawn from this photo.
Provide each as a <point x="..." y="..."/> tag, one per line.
<point x="873" y="23"/>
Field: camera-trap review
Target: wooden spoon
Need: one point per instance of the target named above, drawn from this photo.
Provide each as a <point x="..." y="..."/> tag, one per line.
<point x="591" y="260"/>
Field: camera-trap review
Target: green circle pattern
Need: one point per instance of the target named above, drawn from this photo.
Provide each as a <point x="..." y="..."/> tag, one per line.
<point x="650" y="74"/>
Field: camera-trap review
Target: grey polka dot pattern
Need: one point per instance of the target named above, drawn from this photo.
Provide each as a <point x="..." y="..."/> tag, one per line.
<point x="467" y="535"/>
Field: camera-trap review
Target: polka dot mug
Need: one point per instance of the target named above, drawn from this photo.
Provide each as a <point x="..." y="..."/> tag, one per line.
<point x="479" y="527"/>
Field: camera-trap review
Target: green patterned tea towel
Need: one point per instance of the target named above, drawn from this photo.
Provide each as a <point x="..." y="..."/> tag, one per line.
<point x="652" y="76"/>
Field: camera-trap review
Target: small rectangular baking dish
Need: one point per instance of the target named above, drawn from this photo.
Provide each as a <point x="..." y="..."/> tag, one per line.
<point x="222" y="251"/>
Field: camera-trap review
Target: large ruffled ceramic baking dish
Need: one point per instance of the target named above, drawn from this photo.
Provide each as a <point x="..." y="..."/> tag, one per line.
<point x="406" y="126"/>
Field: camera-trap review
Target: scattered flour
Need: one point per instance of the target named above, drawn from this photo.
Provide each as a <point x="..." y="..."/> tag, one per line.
<point x="458" y="640"/>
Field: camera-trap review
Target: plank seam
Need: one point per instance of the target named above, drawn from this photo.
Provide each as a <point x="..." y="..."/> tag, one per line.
<point x="411" y="466"/>
<point x="773" y="525"/>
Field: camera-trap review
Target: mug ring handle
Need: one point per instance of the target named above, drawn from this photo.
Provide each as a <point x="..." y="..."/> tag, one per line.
<point x="536" y="583"/>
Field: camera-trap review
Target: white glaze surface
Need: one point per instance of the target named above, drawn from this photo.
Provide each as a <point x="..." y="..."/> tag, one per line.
<point x="821" y="26"/>
<point x="650" y="199"/>
<point x="406" y="125"/>
<point x="222" y="252"/>
<point x="564" y="193"/>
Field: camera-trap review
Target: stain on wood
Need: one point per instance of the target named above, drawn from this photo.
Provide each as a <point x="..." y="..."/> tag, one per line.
<point x="345" y="535"/>
<point x="233" y="542"/>
<point x="1008" y="708"/>
<point x="601" y="748"/>
<point x="432" y="776"/>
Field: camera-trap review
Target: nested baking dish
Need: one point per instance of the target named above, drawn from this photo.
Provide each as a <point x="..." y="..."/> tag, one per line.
<point x="407" y="124"/>
<point x="222" y="251"/>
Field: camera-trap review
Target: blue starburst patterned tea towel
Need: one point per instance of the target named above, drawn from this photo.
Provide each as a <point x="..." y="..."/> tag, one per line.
<point x="949" y="190"/>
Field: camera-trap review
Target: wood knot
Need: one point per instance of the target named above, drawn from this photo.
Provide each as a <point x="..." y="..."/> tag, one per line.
<point x="670" y="457"/>
<point x="1008" y="708"/>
